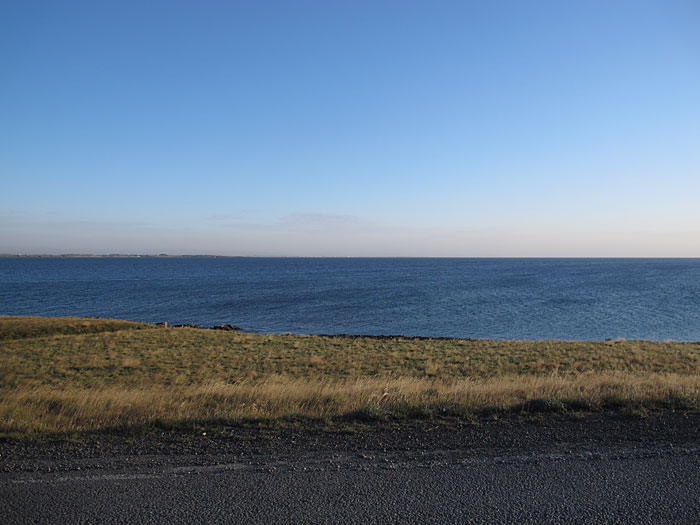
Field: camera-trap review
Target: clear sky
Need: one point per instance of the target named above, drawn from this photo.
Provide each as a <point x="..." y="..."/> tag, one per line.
<point x="357" y="128"/>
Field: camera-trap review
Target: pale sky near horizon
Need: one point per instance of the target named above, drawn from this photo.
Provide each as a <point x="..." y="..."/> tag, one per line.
<point x="363" y="128"/>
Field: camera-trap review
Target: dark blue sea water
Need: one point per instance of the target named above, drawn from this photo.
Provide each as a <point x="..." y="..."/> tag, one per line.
<point x="654" y="299"/>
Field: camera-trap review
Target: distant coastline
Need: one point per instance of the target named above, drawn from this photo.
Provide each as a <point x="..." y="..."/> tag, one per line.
<point x="113" y="256"/>
<point x="212" y="256"/>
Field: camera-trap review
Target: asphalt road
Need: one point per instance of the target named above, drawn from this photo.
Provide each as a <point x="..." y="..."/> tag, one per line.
<point x="647" y="479"/>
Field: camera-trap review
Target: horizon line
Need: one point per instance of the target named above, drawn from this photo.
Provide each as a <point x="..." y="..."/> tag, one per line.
<point x="217" y="256"/>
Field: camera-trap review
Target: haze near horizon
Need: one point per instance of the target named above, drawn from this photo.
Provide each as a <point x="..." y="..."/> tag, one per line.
<point x="351" y="129"/>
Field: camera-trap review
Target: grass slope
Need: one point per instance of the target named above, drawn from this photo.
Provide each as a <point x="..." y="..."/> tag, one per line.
<point x="70" y="374"/>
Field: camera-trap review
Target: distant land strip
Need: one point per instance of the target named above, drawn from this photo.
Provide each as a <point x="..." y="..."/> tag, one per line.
<point x="116" y="256"/>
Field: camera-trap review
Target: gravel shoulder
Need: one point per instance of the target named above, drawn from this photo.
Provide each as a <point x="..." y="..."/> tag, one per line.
<point x="507" y="439"/>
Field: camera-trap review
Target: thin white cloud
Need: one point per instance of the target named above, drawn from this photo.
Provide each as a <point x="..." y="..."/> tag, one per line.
<point x="321" y="234"/>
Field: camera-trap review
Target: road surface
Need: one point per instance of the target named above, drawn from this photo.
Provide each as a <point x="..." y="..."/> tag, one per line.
<point x="603" y="470"/>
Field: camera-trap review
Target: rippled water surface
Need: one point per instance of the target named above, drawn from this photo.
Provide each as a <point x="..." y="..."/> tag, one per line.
<point x="655" y="299"/>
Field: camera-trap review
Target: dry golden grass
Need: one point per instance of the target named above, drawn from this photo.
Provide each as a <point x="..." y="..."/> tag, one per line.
<point x="61" y="375"/>
<point x="49" y="409"/>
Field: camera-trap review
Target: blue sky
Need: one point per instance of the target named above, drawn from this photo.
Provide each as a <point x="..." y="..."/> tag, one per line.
<point x="351" y="128"/>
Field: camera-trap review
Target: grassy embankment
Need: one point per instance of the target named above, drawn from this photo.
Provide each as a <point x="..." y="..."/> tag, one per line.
<point x="67" y="374"/>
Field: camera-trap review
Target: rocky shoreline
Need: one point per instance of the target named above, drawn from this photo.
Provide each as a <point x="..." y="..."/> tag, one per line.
<point x="224" y="327"/>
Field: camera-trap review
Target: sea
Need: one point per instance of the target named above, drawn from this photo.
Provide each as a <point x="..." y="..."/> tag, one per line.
<point x="574" y="299"/>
